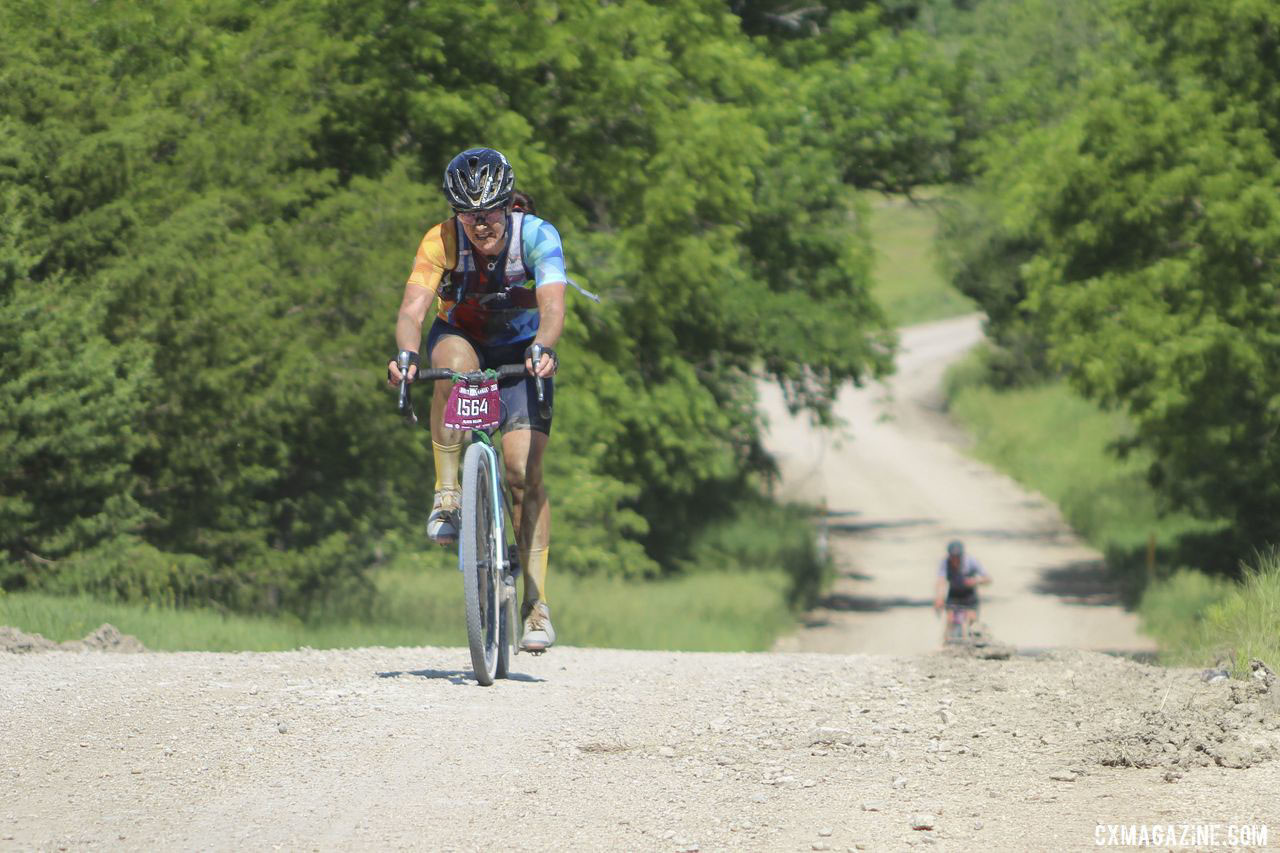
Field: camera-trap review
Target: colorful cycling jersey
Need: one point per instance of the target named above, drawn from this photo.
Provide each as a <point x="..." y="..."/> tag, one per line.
<point x="968" y="568"/>
<point x="494" y="306"/>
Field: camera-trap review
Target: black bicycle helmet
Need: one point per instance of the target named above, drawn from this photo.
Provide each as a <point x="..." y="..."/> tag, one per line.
<point x="955" y="547"/>
<point x="478" y="179"/>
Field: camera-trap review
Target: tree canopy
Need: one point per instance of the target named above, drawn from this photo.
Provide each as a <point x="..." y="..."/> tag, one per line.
<point x="1130" y="240"/>
<point x="210" y="208"/>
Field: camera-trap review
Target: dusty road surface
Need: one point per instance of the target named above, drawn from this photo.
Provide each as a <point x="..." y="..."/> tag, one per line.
<point x="385" y="749"/>
<point x="586" y="749"/>
<point x="898" y="487"/>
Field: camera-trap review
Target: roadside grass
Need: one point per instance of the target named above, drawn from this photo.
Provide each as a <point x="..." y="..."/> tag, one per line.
<point x="1052" y="440"/>
<point x="707" y="611"/>
<point x="1173" y="612"/>
<point x="741" y="587"/>
<point x="907" y="281"/>
<point x="1245" y="623"/>
<point x="1200" y="618"/>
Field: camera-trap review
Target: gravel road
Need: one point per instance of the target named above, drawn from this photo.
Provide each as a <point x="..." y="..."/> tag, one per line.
<point x="588" y="749"/>
<point x="373" y="749"/>
<point x="899" y="486"/>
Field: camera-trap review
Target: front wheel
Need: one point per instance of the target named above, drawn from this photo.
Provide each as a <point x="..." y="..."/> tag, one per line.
<point x="478" y="559"/>
<point x="506" y="629"/>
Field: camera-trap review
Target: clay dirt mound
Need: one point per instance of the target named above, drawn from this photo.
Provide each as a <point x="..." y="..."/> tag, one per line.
<point x="107" y="638"/>
<point x="1228" y="724"/>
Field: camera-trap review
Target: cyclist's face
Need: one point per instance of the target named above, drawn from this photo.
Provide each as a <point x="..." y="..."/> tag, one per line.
<point x="485" y="228"/>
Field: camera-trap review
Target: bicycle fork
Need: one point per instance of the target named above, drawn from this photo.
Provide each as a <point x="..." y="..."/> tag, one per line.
<point x="507" y="557"/>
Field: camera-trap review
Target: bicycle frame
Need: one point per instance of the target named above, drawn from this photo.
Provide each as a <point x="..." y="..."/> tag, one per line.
<point x="498" y="494"/>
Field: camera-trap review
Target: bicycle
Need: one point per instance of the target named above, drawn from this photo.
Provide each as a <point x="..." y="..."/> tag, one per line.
<point x="958" y="627"/>
<point x="489" y="566"/>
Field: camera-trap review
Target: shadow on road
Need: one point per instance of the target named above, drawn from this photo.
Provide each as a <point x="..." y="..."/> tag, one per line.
<point x="869" y="603"/>
<point x="1083" y="582"/>
<point x="1061" y="536"/>
<point x="866" y="526"/>
<point x="456" y="676"/>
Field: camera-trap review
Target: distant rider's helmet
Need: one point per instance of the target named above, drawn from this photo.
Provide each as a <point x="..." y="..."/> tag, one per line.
<point x="955" y="548"/>
<point x="478" y="179"/>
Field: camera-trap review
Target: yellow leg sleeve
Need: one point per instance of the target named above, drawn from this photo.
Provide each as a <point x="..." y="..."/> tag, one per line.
<point x="446" y="465"/>
<point x="534" y="562"/>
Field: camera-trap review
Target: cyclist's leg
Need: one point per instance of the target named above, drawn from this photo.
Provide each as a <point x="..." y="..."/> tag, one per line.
<point x="525" y="433"/>
<point x="522" y="453"/>
<point x="451" y="350"/>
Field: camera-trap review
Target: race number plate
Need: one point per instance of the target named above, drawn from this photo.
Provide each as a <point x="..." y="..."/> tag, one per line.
<point x="473" y="406"/>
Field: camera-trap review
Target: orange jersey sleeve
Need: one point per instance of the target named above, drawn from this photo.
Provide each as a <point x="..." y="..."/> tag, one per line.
<point x="437" y="252"/>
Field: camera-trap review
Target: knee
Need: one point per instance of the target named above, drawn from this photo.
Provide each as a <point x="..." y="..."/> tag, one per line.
<point x="454" y="360"/>
<point x="522" y="476"/>
<point x="454" y="353"/>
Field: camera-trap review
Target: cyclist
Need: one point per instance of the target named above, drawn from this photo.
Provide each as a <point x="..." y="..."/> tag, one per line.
<point x="498" y="277"/>
<point x="959" y="576"/>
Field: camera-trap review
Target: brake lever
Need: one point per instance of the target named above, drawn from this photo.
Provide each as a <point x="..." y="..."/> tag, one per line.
<point x="406" y="402"/>
<point x="535" y="358"/>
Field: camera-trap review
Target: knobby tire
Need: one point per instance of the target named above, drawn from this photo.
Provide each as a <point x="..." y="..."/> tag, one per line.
<point x="506" y="630"/>
<point x="477" y="555"/>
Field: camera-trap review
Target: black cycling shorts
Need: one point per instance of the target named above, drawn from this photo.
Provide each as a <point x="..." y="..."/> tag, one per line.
<point x="519" y="394"/>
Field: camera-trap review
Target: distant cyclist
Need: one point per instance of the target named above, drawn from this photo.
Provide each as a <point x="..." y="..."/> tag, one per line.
<point x="959" y="576"/>
<point x="498" y="273"/>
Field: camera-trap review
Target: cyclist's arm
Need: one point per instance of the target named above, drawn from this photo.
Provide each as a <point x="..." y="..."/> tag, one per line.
<point x="545" y="255"/>
<point x="550" y="322"/>
<point x="977" y="576"/>
<point x="413" y="311"/>
<point x="435" y="253"/>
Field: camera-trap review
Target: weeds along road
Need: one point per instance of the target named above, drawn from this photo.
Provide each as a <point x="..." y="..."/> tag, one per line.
<point x="589" y="749"/>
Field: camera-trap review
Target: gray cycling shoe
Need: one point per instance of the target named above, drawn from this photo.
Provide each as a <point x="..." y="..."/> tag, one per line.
<point x="445" y="518"/>
<point x="539" y="635"/>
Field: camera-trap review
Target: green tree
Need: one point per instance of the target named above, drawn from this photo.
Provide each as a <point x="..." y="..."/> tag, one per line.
<point x="1145" y="229"/>
<point x="217" y="202"/>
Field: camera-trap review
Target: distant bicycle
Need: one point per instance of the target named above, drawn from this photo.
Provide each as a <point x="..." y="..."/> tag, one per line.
<point x="488" y="564"/>
<point x="959" y="627"/>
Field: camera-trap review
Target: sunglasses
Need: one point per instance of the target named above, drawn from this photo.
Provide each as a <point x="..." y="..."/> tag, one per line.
<point x="471" y="217"/>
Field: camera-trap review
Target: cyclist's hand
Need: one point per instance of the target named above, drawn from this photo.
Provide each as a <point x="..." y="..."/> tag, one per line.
<point x="937" y="605"/>
<point x="547" y="365"/>
<point x="394" y="374"/>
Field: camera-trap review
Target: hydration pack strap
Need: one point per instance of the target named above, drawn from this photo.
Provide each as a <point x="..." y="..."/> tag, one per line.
<point x="515" y="255"/>
<point x="515" y="249"/>
<point x="586" y="293"/>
